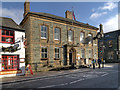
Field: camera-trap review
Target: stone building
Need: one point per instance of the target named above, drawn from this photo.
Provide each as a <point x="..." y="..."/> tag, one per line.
<point x="109" y="46"/>
<point x="57" y="41"/>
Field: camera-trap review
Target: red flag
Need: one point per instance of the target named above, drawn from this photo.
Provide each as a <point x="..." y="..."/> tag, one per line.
<point x="74" y="16"/>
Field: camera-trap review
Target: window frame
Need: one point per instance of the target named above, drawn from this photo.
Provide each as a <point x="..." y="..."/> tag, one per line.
<point x="110" y="43"/>
<point x="44" y="32"/>
<point x="11" y="61"/>
<point x="90" y="53"/>
<point x="110" y="55"/>
<point x="90" y="41"/>
<point x="72" y="35"/>
<point x="82" y="52"/>
<point x="44" y="52"/>
<point x="58" y="53"/>
<point x="83" y="37"/>
<point x="8" y="36"/>
<point x="56" y="28"/>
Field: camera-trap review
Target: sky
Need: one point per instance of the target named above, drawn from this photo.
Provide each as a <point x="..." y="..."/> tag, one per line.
<point x="93" y="13"/>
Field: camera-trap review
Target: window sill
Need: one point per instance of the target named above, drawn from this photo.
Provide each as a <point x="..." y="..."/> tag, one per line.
<point x="81" y="58"/>
<point x="44" y="58"/>
<point x="56" y="39"/>
<point x="43" y="38"/>
<point x="8" y="42"/>
<point x="56" y="58"/>
<point x="70" y="41"/>
<point x="10" y="70"/>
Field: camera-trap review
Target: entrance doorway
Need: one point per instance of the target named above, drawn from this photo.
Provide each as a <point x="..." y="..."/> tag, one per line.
<point x="72" y="56"/>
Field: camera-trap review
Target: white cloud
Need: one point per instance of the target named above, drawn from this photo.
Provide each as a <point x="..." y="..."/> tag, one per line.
<point x="98" y="12"/>
<point x="96" y="15"/>
<point x="108" y="6"/>
<point x="15" y="14"/>
<point x="111" y="24"/>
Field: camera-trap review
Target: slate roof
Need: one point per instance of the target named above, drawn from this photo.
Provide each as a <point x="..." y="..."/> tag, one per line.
<point x="9" y="23"/>
<point x="54" y="17"/>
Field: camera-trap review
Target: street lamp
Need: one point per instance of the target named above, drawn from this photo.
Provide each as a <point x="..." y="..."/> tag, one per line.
<point x="99" y="35"/>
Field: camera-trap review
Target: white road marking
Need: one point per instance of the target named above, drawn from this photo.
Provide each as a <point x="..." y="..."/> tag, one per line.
<point x="34" y="80"/>
<point x="76" y="81"/>
<point x="53" y="85"/>
<point x="74" y="76"/>
<point x="104" y="74"/>
<point x="72" y="82"/>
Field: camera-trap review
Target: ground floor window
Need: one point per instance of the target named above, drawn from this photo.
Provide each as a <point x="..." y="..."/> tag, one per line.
<point x="10" y="62"/>
<point x="110" y="55"/>
<point x="43" y="52"/>
<point x="57" y="53"/>
<point x="82" y="53"/>
<point x="90" y="53"/>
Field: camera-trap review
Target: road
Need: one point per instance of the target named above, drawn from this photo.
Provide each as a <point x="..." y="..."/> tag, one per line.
<point x="92" y="78"/>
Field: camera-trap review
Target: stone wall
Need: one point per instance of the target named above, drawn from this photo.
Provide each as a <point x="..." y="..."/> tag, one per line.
<point x="34" y="42"/>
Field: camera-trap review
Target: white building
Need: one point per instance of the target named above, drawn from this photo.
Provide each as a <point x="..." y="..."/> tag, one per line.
<point x="12" y="51"/>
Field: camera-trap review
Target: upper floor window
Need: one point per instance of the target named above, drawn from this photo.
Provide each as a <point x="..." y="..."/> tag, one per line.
<point x="101" y="44"/>
<point x="43" y="52"/>
<point x="57" y="34"/>
<point x="110" y="43"/>
<point x="82" y="37"/>
<point x="44" y="31"/>
<point x="70" y="35"/>
<point x="90" y="42"/>
<point x="57" y="53"/>
<point x="7" y="36"/>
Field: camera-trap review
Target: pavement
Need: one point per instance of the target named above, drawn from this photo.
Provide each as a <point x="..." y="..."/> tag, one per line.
<point x="39" y="75"/>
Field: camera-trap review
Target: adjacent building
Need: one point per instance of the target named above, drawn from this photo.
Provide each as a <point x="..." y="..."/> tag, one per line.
<point x="54" y="41"/>
<point x="12" y="51"/>
<point x="109" y="46"/>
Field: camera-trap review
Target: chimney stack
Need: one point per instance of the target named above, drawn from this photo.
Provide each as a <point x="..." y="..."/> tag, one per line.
<point x="101" y="28"/>
<point x="68" y="14"/>
<point x="26" y="7"/>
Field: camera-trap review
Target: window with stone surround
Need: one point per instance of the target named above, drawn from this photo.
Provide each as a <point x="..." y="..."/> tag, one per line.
<point x="44" y="32"/>
<point x="110" y="43"/>
<point x="7" y="36"/>
<point x="57" y="52"/>
<point x="70" y="35"/>
<point x="44" y="52"/>
<point x="90" y="53"/>
<point x="110" y="55"/>
<point x="82" y="53"/>
<point x="82" y="37"/>
<point x="90" y="42"/>
<point x="101" y="44"/>
<point x="56" y="34"/>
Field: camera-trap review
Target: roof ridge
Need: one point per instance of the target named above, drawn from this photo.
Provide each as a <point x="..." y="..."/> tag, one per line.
<point x="62" y="18"/>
